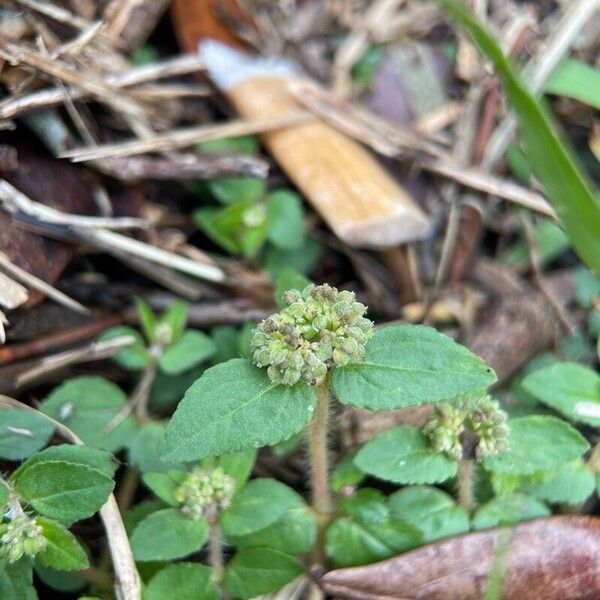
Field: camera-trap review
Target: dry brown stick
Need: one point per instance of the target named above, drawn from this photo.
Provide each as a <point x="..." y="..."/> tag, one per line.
<point x="13" y="352"/>
<point x="40" y="285"/>
<point x="90" y="82"/>
<point x="181" y="138"/>
<point x="58" y="13"/>
<point x="182" y="167"/>
<point x="540" y="68"/>
<point x="93" y="351"/>
<point x="130" y="22"/>
<point x="127" y="579"/>
<point x="180" y="65"/>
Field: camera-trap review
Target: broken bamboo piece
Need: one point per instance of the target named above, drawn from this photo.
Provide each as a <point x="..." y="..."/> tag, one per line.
<point x="356" y="197"/>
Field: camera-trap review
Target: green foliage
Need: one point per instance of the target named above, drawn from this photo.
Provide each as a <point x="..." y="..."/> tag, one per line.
<point x="562" y="386"/>
<point x="258" y="505"/>
<point x="407" y="365"/>
<point x="294" y="532"/>
<point x="577" y="80"/>
<point x="587" y="287"/>
<point x="134" y="357"/>
<point x="346" y="473"/>
<point x="434" y="512"/>
<point x="22" y="433"/>
<point x="303" y="259"/>
<point x="403" y="455"/>
<point x="147" y="318"/>
<point x="285" y="218"/>
<point x="62" y="581"/>
<point x="144" y="449"/>
<point x="506" y="510"/>
<point x="238" y="465"/>
<point x="62" y="552"/>
<point x="166" y="535"/>
<point x="576" y="203"/>
<point x="191" y="349"/>
<point x="87" y="405"/>
<point x="255" y="571"/>
<point x="164" y="485"/>
<point x="182" y="581"/>
<point x="67" y="483"/>
<point x="16" y="581"/>
<point x="234" y="406"/>
<point x="537" y="443"/>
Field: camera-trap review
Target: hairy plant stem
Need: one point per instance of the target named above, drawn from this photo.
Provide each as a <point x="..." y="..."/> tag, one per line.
<point x="319" y="468"/>
<point x="466" y="495"/>
<point x="215" y="554"/>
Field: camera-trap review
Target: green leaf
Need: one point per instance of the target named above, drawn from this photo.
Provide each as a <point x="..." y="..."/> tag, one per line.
<point x="175" y="318"/>
<point x="587" y="287"/>
<point x="537" y="443"/>
<point x="62" y="581"/>
<point x="303" y="259"/>
<point x="183" y="581"/>
<point x="164" y="485"/>
<point x="432" y="511"/>
<point x="147" y="318"/>
<point x="285" y="217"/>
<point x="166" y="535"/>
<point x="367" y="505"/>
<point x="68" y="483"/>
<point x="346" y="473"/>
<point x="227" y="340"/>
<point x="62" y="552"/>
<point x="571" y="483"/>
<point x="256" y="571"/>
<point x="402" y="455"/>
<point x="562" y="386"/>
<point x="191" y="349"/>
<point x="289" y="279"/>
<point x="294" y="532"/>
<point x="577" y="204"/>
<point x="349" y="543"/>
<point x="136" y="514"/>
<point x="239" y="466"/>
<point x="134" y="357"/>
<point x="506" y="510"/>
<point x="239" y="229"/>
<point x="407" y="365"/>
<point x="243" y="144"/>
<point x="550" y="241"/>
<point x="144" y="450"/>
<point x="234" y="406"/>
<point x="16" y="581"/>
<point x="4" y="495"/>
<point x="87" y="405"/>
<point x="577" y="80"/>
<point x="22" y="433"/>
<point x="234" y="190"/>
<point x="258" y="505"/>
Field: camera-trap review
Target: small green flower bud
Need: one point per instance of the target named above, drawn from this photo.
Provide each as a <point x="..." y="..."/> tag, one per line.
<point x="319" y="328"/>
<point x="163" y="334"/>
<point x="23" y="536"/>
<point x="205" y="492"/>
<point x="445" y="428"/>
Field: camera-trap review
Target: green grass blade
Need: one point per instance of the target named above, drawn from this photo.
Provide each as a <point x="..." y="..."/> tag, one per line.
<point x="577" y="80"/>
<point x="578" y="206"/>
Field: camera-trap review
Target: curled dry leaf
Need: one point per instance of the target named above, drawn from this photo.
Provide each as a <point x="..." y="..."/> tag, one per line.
<point x="555" y="559"/>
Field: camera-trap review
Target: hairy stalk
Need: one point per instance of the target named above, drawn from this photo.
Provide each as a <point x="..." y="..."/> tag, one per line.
<point x="215" y="554"/>
<point x="466" y="495"/>
<point x="319" y="467"/>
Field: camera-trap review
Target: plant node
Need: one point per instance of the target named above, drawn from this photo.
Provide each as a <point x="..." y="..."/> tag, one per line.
<point x="319" y="328"/>
<point x="205" y="492"/>
<point x="22" y="535"/>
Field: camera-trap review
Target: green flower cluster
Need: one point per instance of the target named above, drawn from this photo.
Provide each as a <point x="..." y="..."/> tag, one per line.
<point x="204" y="492"/>
<point x="319" y="328"/>
<point x="21" y="536"/>
<point x="481" y="419"/>
<point x="445" y="429"/>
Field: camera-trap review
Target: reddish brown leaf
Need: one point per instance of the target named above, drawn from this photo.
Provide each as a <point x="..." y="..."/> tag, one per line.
<point x="194" y="20"/>
<point x="551" y="559"/>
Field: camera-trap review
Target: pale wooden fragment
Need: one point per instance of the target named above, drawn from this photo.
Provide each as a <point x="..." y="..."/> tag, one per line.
<point x="353" y="193"/>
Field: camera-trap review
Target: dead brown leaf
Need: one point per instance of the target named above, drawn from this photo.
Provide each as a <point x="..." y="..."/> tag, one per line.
<point x="557" y="558"/>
